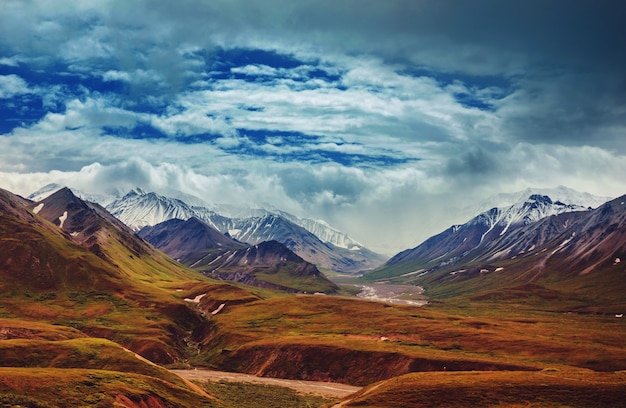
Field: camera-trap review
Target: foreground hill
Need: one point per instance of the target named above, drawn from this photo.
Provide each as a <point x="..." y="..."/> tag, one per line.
<point x="59" y="289"/>
<point x="269" y="264"/>
<point x="548" y="388"/>
<point x="575" y="253"/>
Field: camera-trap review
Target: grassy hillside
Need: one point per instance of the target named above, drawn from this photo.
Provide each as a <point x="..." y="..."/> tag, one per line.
<point x="71" y="309"/>
<point x="365" y="342"/>
<point x="60" y="300"/>
<point x="103" y="281"/>
<point x="552" y="387"/>
<point x="52" y="366"/>
<point x="74" y="387"/>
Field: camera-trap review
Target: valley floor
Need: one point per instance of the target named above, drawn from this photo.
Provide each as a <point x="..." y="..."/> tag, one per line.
<point x="393" y="293"/>
<point x="325" y="389"/>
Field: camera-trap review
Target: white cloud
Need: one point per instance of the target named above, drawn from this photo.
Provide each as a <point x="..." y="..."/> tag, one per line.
<point x="13" y="61"/>
<point x="12" y="85"/>
<point x="394" y="71"/>
<point x="255" y="70"/>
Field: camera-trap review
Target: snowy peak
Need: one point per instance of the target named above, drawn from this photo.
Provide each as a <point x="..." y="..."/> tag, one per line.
<point x="559" y="194"/>
<point x="319" y="228"/>
<point x="139" y="209"/>
<point x="580" y="252"/>
<point x="486" y="228"/>
<point x="325" y="232"/>
<point x="527" y="211"/>
<point x="44" y="192"/>
<point x="49" y="189"/>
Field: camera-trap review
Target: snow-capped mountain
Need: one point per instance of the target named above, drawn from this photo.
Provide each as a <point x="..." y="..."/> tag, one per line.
<point x="102" y="199"/>
<point x="580" y="253"/>
<point x="319" y="228"/>
<point x="455" y="243"/>
<point x="324" y="232"/>
<point x="44" y="192"/>
<point x="534" y="208"/>
<point x="139" y="208"/>
<point x="561" y="193"/>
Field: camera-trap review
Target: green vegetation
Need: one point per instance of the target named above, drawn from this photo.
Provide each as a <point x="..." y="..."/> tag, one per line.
<point x="552" y="288"/>
<point x="244" y="395"/>
<point x="72" y="387"/>
<point x="69" y="315"/>
<point x="548" y="388"/>
<point x="364" y="339"/>
<point x="284" y="276"/>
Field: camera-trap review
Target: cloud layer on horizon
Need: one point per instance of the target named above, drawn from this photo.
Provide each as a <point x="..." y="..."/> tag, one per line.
<point x="384" y="118"/>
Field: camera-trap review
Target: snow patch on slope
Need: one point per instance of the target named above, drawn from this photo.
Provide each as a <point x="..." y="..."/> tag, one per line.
<point x="38" y="208"/>
<point x="62" y="219"/>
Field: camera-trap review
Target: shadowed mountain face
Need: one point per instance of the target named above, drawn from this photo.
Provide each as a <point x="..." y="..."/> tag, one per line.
<point x="182" y="239"/>
<point x="35" y="254"/>
<point x="268" y="264"/>
<point x="581" y="251"/>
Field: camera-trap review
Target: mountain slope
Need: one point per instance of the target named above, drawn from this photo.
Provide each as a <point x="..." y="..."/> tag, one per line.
<point x="183" y="239"/>
<point x="303" y="242"/>
<point x="90" y="271"/>
<point x="457" y="241"/>
<point x="560" y="193"/>
<point x="138" y="209"/>
<point x="578" y="253"/>
<point x="268" y="264"/>
<point x="57" y="293"/>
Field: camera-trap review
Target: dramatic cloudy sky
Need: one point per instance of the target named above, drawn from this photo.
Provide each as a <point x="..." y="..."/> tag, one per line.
<point x="382" y="117"/>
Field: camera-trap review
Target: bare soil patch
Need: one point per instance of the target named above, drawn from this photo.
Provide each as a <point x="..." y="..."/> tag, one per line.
<point x="325" y="389"/>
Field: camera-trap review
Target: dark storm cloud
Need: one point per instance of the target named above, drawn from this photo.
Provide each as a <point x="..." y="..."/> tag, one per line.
<point x="474" y="162"/>
<point x="341" y="186"/>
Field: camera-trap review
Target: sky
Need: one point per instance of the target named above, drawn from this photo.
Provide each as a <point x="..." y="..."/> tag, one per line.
<point x="384" y="118"/>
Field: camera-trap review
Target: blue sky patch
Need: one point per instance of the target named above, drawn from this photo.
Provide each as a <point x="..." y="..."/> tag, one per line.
<point x="20" y="111"/>
<point x="263" y="136"/>
<point x="240" y="57"/>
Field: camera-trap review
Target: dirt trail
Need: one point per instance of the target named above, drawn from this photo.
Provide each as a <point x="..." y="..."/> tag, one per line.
<point x="325" y="389"/>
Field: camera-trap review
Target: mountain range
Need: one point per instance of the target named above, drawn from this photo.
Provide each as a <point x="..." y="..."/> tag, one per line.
<point x="67" y="262"/>
<point x="315" y="241"/>
<point x="534" y="241"/>
<point x="268" y="264"/>
<point x="485" y="228"/>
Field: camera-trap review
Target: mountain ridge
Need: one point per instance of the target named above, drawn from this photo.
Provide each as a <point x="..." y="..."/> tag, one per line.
<point x="268" y="264"/>
<point x="580" y="251"/>
<point x="139" y="208"/>
<point x="485" y="227"/>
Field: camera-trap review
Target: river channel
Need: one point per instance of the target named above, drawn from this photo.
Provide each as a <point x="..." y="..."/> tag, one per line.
<point x="393" y="293"/>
